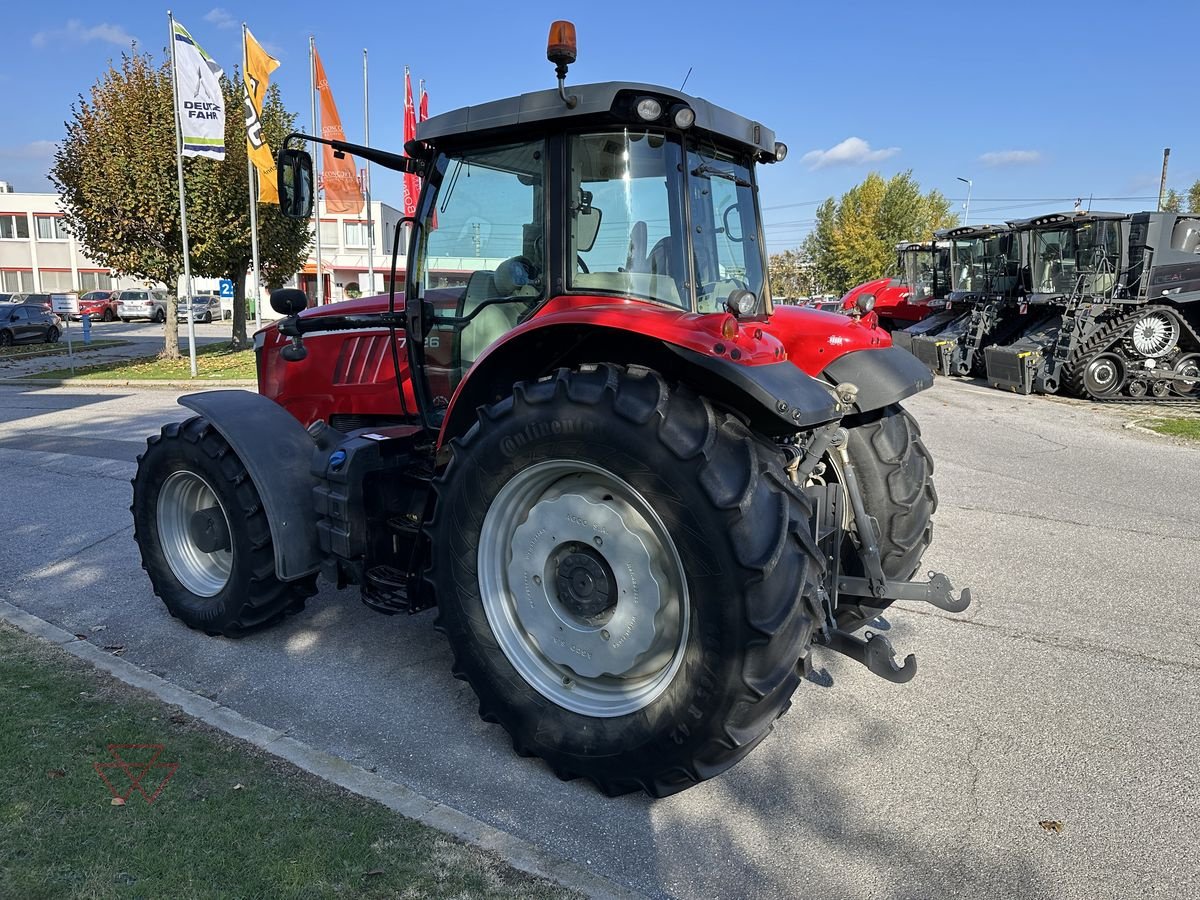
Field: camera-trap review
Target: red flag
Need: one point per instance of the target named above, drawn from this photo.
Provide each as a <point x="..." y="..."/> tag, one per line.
<point x="412" y="185"/>
<point x="340" y="176"/>
<point x="424" y="111"/>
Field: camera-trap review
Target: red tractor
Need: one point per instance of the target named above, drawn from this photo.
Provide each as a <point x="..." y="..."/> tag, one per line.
<point x="921" y="281"/>
<point x="634" y="491"/>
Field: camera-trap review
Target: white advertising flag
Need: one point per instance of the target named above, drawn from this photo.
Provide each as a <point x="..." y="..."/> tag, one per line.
<point x="201" y="103"/>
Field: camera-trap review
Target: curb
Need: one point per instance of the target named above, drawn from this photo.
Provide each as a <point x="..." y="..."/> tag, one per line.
<point x="521" y="855"/>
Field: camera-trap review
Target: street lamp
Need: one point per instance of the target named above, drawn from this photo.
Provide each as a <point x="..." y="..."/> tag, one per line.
<point x="967" y="206"/>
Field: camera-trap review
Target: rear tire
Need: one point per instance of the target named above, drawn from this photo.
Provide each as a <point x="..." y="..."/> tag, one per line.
<point x="895" y="475"/>
<point x="108" y="316"/>
<point x="724" y="643"/>
<point x="6" y="339"/>
<point x="231" y="590"/>
<point x="160" y="317"/>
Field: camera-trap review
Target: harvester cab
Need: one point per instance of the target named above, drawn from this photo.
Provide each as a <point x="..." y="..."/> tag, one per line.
<point x="984" y="287"/>
<point x="635" y="492"/>
<point x="1112" y="299"/>
<point x="920" y="281"/>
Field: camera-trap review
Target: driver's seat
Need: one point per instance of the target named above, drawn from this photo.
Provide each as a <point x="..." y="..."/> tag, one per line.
<point x="490" y="325"/>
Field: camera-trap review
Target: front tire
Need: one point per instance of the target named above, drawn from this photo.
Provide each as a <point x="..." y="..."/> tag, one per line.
<point x="625" y="575"/>
<point x="204" y="536"/>
<point x="108" y="316"/>
<point x="52" y="335"/>
<point x="160" y="317"/>
<point x="895" y="476"/>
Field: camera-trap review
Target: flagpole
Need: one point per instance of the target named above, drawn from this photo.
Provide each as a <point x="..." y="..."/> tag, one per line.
<point x="312" y="74"/>
<point x="187" y="262"/>
<point x="367" y="186"/>
<point x="252" y="181"/>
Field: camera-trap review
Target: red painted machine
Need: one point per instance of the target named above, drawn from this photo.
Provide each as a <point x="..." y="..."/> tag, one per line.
<point x="921" y="281"/>
<point x="636" y="492"/>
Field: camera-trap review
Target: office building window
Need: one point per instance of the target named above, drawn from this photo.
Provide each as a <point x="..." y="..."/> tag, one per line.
<point x="15" y="280"/>
<point x="14" y="227"/>
<point x="95" y="281"/>
<point x="329" y="234"/>
<point x="50" y="228"/>
<point x="356" y="234"/>
<point x="56" y="281"/>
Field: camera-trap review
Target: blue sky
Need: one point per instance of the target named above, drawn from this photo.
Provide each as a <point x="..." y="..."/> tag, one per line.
<point x="1017" y="96"/>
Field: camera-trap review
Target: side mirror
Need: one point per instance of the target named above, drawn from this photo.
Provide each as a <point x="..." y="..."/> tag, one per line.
<point x="295" y="181"/>
<point x="288" y="301"/>
<point x="587" y="226"/>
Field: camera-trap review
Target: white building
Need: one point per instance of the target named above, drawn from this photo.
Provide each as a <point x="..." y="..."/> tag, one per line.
<point x="37" y="254"/>
<point x="344" y="258"/>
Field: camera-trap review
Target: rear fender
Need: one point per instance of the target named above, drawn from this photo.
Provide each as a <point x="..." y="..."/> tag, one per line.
<point x="883" y="376"/>
<point x="775" y="396"/>
<point x="277" y="453"/>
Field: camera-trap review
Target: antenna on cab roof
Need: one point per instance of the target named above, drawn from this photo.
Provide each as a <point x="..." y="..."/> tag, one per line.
<point x="561" y="50"/>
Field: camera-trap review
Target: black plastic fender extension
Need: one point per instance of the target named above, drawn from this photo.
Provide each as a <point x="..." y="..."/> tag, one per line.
<point x="778" y="397"/>
<point x="883" y="377"/>
<point x="277" y="453"/>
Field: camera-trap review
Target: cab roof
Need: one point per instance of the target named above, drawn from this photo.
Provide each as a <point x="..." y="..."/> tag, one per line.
<point x="610" y="102"/>
<point x="1075" y="217"/>
<point x="964" y="232"/>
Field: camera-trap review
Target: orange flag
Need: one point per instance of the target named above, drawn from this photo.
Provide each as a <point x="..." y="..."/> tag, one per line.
<point x="340" y="177"/>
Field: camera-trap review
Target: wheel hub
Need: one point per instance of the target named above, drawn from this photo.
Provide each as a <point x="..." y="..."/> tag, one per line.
<point x="208" y="529"/>
<point x="585" y="584"/>
<point x="587" y="590"/>
<point x="1154" y="335"/>
<point x="193" y="532"/>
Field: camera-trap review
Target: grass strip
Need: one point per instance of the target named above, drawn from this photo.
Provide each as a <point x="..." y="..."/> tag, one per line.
<point x="231" y="821"/>
<point x="1182" y="426"/>
<point x="213" y="361"/>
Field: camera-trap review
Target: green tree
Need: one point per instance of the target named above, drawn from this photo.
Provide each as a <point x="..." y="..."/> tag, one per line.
<point x="116" y="173"/>
<point x="219" y="211"/>
<point x="1173" y="201"/>
<point x="855" y="237"/>
<point x="791" y="274"/>
<point x="1194" y="197"/>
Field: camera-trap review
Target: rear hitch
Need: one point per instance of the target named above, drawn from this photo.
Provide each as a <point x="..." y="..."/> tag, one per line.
<point x="875" y="652"/>
<point x="937" y="591"/>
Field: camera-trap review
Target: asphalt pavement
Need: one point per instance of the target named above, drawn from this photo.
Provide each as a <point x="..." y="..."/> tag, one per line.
<point x="1066" y="694"/>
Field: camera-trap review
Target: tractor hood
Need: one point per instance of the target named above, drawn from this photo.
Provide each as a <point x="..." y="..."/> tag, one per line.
<point x="813" y="339"/>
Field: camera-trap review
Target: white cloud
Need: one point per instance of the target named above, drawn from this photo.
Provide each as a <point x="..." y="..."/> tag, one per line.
<point x="222" y="18"/>
<point x="32" y="150"/>
<point x="1010" y="158"/>
<point x="853" y="151"/>
<point x="76" y="32"/>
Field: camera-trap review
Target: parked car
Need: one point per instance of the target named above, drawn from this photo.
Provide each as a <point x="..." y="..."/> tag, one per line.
<point x="24" y="323"/>
<point x="205" y="308"/>
<point x="100" y="305"/>
<point x="4" y="298"/>
<point x="33" y="299"/>
<point x="150" y="305"/>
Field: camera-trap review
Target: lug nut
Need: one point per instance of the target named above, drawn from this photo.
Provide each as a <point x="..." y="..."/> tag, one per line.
<point x="604" y="633"/>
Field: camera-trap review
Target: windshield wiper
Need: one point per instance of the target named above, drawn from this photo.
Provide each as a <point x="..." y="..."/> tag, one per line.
<point x="706" y="169"/>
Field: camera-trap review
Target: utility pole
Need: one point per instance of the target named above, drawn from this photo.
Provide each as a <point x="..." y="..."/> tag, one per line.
<point x="1162" y="185"/>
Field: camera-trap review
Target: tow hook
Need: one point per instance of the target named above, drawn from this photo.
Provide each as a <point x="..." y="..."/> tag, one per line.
<point x="875" y="652"/>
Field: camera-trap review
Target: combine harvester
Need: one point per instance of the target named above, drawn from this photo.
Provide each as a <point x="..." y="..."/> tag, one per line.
<point x="922" y="279"/>
<point x="983" y="307"/>
<point x="1114" y="304"/>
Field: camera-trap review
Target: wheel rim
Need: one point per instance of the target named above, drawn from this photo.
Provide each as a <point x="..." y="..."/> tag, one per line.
<point x="182" y="496"/>
<point x="1154" y="335"/>
<point x="1103" y="375"/>
<point x="583" y="588"/>
<point x="1189" y="366"/>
